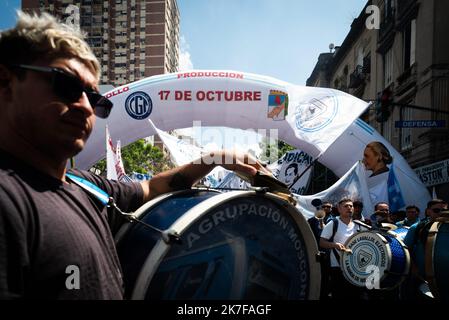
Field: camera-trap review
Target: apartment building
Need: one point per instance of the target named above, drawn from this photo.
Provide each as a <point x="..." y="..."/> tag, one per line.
<point x="132" y="39"/>
<point x="404" y="62"/>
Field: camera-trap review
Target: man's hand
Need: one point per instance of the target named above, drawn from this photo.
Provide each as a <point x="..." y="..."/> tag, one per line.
<point x="339" y="246"/>
<point x="185" y="176"/>
<point x="236" y="161"/>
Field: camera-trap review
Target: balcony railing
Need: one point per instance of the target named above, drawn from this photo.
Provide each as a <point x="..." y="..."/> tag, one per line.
<point x="357" y="78"/>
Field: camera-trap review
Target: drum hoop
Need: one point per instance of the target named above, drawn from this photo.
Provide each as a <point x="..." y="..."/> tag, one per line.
<point x="388" y="254"/>
<point x="429" y="252"/>
<point x="161" y="248"/>
<point x="345" y="255"/>
<point x="148" y="205"/>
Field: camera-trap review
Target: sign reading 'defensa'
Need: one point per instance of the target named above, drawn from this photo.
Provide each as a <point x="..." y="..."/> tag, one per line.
<point x="420" y="124"/>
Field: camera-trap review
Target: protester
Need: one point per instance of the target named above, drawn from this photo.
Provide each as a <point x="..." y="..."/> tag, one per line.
<point x="415" y="240"/>
<point x="50" y="224"/>
<point x="333" y="237"/>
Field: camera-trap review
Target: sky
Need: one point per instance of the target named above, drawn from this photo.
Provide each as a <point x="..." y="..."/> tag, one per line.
<point x="277" y="38"/>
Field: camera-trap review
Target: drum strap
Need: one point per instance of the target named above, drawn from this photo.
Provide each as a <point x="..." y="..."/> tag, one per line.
<point x="429" y="252"/>
<point x="331" y="239"/>
<point x="167" y="235"/>
<point x="90" y="188"/>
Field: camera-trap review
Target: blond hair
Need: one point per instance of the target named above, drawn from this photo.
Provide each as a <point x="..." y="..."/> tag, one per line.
<point x="381" y="151"/>
<point x="44" y="37"/>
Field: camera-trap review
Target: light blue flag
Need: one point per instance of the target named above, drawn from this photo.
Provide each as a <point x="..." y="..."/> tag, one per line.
<point x="395" y="198"/>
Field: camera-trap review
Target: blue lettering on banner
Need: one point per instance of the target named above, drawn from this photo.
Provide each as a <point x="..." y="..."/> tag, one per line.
<point x="316" y="114"/>
<point x="139" y="105"/>
<point x="420" y="124"/>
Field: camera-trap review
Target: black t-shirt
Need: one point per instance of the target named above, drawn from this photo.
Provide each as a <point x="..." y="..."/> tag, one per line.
<point x="51" y="232"/>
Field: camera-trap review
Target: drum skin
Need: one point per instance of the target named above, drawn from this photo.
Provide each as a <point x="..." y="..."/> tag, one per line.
<point x="234" y="245"/>
<point x="375" y="257"/>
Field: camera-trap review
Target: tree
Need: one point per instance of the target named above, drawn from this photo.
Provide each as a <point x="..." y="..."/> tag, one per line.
<point x="140" y="157"/>
<point x="269" y="147"/>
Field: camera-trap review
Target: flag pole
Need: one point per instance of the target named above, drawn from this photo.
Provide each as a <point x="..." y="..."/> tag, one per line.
<point x="305" y="170"/>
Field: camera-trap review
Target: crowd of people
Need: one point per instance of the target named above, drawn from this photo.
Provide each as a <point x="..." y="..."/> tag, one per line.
<point x="49" y="100"/>
<point x="331" y="241"/>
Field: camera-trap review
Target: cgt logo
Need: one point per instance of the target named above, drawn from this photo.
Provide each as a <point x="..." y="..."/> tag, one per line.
<point x="138" y="105"/>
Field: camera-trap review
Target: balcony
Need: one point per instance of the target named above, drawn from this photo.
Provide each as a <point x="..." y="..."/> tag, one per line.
<point x="407" y="80"/>
<point x="357" y="81"/>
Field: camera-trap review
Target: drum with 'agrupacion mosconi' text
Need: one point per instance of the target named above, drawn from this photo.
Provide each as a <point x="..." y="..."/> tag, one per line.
<point x="233" y="245"/>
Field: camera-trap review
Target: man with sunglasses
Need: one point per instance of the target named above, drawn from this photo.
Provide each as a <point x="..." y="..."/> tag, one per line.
<point x="415" y="240"/>
<point x="51" y="228"/>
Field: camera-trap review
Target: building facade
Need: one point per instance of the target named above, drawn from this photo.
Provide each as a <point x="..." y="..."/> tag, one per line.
<point x="401" y="63"/>
<point x="132" y="39"/>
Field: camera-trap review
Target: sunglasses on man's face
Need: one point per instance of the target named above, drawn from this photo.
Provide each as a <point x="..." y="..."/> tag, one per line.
<point x="70" y="88"/>
<point x="437" y="210"/>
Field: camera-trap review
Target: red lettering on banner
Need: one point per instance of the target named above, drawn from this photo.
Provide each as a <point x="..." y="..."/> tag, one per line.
<point x="213" y="74"/>
<point x="211" y="95"/>
<point x="200" y="95"/>
<point x="228" y="95"/>
<point x="183" y="95"/>
<point x="116" y="92"/>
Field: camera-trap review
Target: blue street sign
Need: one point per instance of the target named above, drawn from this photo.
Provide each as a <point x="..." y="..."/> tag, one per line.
<point x="420" y="124"/>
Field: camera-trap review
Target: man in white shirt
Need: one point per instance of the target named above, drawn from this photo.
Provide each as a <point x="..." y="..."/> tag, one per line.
<point x="333" y="238"/>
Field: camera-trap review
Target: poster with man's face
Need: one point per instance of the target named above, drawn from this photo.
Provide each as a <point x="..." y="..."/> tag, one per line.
<point x="290" y="166"/>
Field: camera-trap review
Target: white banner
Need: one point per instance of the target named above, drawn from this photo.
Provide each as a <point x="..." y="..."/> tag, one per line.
<point x="320" y="116"/>
<point x="111" y="172"/>
<point x="352" y="185"/>
<point x="249" y="101"/>
<point x="291" y="165"/>
<point x="181" y="152"/>
<point x="119" y="166"/>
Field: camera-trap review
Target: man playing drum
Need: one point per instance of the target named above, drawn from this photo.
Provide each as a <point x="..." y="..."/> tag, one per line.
<point x="55" y="237"/>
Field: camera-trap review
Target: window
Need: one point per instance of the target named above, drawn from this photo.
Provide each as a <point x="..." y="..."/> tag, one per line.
<point x="386" y="130"/>
<point x="388" y="9"/>
<point x="388" y="68"/>
<point x="406" y="133"/>
<point x="409" y="36"/>
<point x="359" y="56"/>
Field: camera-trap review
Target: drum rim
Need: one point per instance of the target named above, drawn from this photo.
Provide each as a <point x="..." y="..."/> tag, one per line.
<point x="429" y="254"/>
<point x="388" y="253"/>
<point x="160" y="250"/>
<point x="148" y="205"/>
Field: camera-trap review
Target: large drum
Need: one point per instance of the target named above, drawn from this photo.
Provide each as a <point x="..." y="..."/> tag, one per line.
<point x="437" y="260"/>
<point x="234" y="245"/>
<point x="400" y="232"/>
<point x="375" y="260"/>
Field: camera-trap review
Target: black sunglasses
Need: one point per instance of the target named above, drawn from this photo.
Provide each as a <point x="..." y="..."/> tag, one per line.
<point x="70" y="88"/>
<point x="437" y="210"/>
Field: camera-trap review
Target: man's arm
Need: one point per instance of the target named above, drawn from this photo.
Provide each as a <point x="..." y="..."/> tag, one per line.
<point x="186" y="176"/>
<point x="331" y="245"/>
